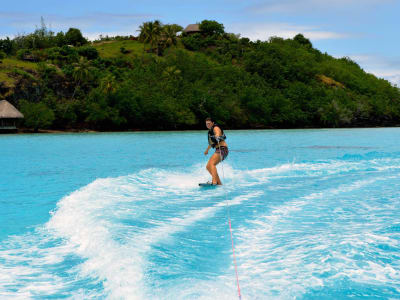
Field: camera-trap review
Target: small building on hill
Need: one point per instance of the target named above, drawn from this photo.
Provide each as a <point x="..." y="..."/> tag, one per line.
<point x="192" y="28"/>
<point x="9" y="116"/>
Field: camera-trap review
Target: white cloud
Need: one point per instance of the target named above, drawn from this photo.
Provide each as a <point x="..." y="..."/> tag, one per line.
<point x="262" y="31"/>
<point x="91" y="23"/>
<point x="295" y="6"/>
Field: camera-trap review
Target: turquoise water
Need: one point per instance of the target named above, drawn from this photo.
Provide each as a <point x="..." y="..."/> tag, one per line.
<point x="315" y="215"/>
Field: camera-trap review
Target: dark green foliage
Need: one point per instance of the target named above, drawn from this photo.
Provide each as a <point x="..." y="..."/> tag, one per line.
<point x="7" y="46"/>
<point x="124" y="51"/>
<point x="2" y="55"/>
<point x="169" y="35"/>
<point x="37" y="115"/>
<point x="150" y="33"/>
<point x="158" y="36"/>
<point x="197" y="41"/>
<point x="302" y="40"/>
<point x="211" y="34"/>
<point x="89" y="52"/>
<point x="23" y="53"/>
<point x="193" y="42"/>
<point x="60" y="40"/>
<point x="211" y="28"/>
<point x="23" y="74"/>
<point x="280" y="83"/>
<point x="62" y="55"/>
<point x="74" y="37"/>
<point x="42" y="38"/>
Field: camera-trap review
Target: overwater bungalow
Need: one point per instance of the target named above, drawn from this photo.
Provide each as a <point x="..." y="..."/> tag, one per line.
<point x="9" y="116"/>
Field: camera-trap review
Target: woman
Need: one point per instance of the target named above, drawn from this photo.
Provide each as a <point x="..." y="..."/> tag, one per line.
<point x="216" y="139"/>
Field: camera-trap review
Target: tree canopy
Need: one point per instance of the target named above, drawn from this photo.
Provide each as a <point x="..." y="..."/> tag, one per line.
<point x="167" y="81"/>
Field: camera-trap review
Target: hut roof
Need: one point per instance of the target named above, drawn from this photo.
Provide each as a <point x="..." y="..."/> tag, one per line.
<point x="7" y="110"/>
<point x="192" y="28"/>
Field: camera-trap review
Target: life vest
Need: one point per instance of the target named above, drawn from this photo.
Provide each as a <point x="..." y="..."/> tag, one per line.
<point x="212" y="139"/>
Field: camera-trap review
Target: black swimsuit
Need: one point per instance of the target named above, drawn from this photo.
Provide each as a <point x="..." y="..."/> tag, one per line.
<point x="223" y="151"/>
<point x="214" y="141"/>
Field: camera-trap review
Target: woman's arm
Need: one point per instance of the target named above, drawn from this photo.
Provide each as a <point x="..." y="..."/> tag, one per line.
<point x="217" y="131"/>
<point x="208" y="148"/>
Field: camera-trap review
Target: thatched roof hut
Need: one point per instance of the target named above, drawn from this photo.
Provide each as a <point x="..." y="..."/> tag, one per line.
<point x="8" y="115"/>
<point x="192" y="28"/>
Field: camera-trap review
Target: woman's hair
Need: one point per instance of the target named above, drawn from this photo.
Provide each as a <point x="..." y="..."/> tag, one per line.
<point x="209" y="119"/>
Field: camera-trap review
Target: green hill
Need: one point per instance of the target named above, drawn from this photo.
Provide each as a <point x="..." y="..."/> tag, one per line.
<point x="168" y="82"/>
<point x="112" y="49"/>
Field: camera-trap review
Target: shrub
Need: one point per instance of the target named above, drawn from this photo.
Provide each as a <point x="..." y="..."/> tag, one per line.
<point x="7" y="45"/>
<point x="37" y="115"/>
<point x="124" y="51"/>
<point x="302" y="40"/>
<point x="89" y="52"/>
<point x="209" y="28"/>
<point x="74" y="37"/>
<point x="63" y="55"/>
<point x="22" y="54"/>
<point x="192" y="42"/>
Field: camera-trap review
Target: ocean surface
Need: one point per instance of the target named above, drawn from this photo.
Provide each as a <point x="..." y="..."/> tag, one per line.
<point x="315" y="214"/>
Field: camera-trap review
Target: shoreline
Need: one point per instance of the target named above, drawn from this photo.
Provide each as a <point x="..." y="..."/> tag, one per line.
<point x="46" y="131"/>
<point x="58" y="131"/>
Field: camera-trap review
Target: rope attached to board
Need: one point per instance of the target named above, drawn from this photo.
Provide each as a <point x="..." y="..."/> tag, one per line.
<point x="230" y="226"/>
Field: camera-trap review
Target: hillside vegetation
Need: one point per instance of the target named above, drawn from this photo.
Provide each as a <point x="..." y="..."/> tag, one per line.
<point x="163" y="81"/>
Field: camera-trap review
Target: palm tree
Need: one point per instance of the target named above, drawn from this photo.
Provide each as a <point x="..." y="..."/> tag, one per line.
<point x="81" y="73"/>
<point x="169" y="35"/>
<point x="144" y="36"/>
<point x="108" y="83"/>
<point x="150" y="33"/>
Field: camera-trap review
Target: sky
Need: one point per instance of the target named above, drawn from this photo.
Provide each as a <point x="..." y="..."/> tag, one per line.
<point x="364" y="30"/>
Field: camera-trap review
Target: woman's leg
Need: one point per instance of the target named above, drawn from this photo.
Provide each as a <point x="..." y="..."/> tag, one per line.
<point x="212" y="167"/>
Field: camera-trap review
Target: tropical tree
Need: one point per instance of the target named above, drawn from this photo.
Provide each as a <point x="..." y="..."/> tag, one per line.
<point x="37" y="115"/>
<point x="302" y="40"/>
<point x="169" y="35"/>
<point x="7" y="45"/>
<point x="60" y="39"/>
<point x="150" y="33"/>
<point x="81" y="73"/>
<point x="210" y="27"/>
<point x="74" y="37"/>
<point x="108" y="84"/>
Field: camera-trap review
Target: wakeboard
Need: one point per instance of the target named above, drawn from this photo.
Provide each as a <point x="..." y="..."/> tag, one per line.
<point x="207" y="184"/>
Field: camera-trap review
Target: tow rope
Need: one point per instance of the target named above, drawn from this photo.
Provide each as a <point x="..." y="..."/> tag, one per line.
<point x="230" y="226"/>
